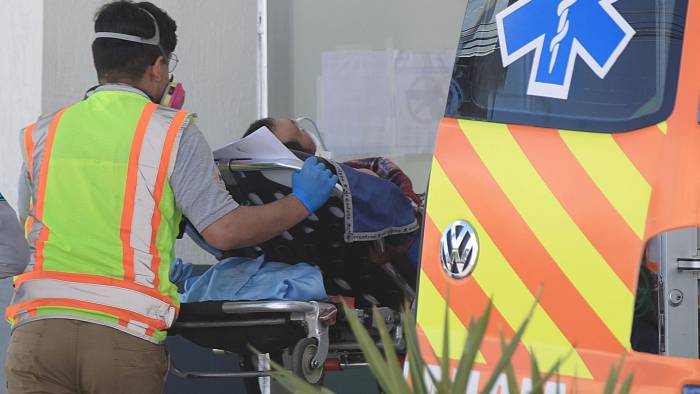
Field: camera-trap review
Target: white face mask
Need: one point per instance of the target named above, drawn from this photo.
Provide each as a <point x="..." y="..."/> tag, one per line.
<point x="320" y="152"/>
<point x="319" y="147"/>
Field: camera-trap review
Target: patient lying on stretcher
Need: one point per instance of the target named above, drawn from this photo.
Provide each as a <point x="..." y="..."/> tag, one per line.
<point x="374" y="209"/>
<point x="296" y="138"/>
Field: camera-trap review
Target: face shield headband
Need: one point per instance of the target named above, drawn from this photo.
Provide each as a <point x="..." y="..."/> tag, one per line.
<point x="155" y="40"/>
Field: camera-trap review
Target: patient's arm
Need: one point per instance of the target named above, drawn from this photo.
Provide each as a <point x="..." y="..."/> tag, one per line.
<point x="252" y="225"/>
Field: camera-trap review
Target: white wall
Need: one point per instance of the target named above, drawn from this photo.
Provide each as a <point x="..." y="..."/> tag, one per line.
<point x="20" y="83"/>
<point x="20" y="103"/>
<point x="217" y="52"/>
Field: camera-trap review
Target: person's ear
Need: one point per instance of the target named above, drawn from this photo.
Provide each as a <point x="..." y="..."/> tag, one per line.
<point x="158" y="70"/>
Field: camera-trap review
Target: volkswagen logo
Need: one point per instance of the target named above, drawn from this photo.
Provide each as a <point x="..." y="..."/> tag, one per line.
<point x="459" y="249"/>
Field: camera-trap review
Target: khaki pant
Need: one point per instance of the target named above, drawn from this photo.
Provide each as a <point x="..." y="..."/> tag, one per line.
<point x="61" y="356"/>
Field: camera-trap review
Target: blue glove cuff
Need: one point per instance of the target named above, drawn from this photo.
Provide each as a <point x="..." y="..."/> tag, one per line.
<point x="304" y="201"/>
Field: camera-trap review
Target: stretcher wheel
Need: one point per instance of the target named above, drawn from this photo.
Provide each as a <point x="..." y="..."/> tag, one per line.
<point x="302" y="359"/>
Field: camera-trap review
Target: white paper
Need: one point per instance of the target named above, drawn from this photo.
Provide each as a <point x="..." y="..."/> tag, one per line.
<point x="259" y="147"/>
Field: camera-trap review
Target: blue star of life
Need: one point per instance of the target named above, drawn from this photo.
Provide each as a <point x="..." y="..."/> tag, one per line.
<point x="559" y="31"/>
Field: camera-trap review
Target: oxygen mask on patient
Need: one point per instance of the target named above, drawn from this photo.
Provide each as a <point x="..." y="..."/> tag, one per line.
<point x="315" y="136"/>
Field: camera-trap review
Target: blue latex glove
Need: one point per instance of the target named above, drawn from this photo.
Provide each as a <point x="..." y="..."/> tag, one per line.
<point x="180" y="271"/>
<point x="313" y="184"/>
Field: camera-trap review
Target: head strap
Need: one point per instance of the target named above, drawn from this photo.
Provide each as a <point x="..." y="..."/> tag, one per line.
<point x="155" y="40"/>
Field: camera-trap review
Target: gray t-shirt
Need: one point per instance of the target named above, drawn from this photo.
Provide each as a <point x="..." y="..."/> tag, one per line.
<point x="196" y="182"/>
<point x="199" y="191"/>
<point x="14" y="251"/>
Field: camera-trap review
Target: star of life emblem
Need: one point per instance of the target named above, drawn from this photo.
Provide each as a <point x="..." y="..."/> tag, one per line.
<point x="559" y="31"/>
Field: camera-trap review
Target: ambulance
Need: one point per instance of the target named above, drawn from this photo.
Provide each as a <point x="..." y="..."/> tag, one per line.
<point x="566" y="175"/>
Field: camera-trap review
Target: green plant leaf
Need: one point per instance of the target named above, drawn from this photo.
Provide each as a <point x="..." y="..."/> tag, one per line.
<point x="509" y="350"/>
<point x="535" y="376"/>
<point x="415" y="360"/>
<point x="394" y="372"/>
<point x="471" y="350"/>
<point x="375" y="361"/>
<point x="510" y="373"/>
<point x="611" y="382"/>
<point x="538" y="384"/>
<point x="292" y="382"/>
<point x="626" y="384"/>
<point x="444" y="386"/>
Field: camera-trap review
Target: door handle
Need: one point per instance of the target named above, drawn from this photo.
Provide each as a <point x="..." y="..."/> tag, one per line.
<point x="688" y="263"/>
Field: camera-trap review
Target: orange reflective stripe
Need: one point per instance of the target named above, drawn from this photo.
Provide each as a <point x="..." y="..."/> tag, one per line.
<point x="515" y="239"/>
<point x="160" y="183"/>
<point x="464" y="290"/>
<point x="130" y="192"/>
<point x="579" y="196"/>
<point x="13" y="310"/>
<point x="29" y="152"/>
<point x="41" y="191"/>
<point x="642" y="148"/>
<point x="29" y="147"/>
<point x="28" y="224"/>
<point x="93" y="279"/>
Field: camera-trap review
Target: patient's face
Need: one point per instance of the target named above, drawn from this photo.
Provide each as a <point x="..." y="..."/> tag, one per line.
<point x="286" y="130"/>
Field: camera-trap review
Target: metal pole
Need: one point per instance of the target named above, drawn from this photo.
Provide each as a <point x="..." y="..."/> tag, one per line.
<point x="262" y="58"/>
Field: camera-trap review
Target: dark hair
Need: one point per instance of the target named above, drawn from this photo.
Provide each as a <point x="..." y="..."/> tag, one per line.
<point x="125" y="60"/>
<point x="267" y="122"/>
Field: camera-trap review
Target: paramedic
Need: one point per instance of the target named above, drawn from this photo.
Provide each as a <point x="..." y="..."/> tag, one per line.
<point x="14" y="252"/>
<point x="110" y="178"/>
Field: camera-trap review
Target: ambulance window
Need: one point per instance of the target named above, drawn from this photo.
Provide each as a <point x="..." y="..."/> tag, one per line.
<point x="552" y="49"/>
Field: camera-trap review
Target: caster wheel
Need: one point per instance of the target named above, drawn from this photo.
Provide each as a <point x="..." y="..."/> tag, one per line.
<point x="302" y="359"/>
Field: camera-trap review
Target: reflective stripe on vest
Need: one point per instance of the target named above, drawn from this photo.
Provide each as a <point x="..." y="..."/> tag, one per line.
<point x="41" y="191"/>
<point x="29" y="160"/>
<point x="158" y="313"/>
<point x="122" y="186"/>
<point x="149" y="163"/>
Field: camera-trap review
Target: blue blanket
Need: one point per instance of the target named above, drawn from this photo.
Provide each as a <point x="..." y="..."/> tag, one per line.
<point x="239" y="279"/>
<point x="374" y="207"/>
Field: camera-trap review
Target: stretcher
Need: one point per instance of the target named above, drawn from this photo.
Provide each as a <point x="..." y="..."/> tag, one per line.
<point x="307" y="337"/>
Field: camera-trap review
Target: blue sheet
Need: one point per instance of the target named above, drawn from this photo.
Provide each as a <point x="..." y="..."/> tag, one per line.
<point x="239" y="279"/>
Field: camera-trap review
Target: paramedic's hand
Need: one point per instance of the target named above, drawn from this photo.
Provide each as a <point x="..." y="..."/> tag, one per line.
<point x="312" y="184"/>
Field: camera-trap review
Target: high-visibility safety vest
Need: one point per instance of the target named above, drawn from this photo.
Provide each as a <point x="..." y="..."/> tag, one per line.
<point x="103" y="219"/>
